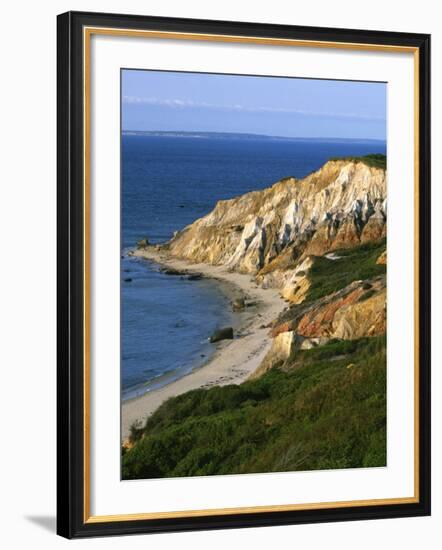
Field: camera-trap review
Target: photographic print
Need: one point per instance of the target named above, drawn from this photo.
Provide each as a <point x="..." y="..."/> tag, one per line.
<point x="225" y="331"/>
<point x="253" y="274"/>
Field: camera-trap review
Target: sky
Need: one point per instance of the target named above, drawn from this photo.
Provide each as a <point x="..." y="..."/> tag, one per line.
<point x="289" y="107"/>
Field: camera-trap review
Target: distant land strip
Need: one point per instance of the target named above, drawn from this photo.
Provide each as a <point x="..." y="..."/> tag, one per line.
<point x="234" y="135"/>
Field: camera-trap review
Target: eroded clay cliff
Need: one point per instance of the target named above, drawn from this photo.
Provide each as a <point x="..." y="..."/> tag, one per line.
<point x="277" y="235"/>
<point x="269" y="231"/>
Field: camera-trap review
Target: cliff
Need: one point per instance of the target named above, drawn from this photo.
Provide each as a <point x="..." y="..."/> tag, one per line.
<point x="320" y="240"/>
<point x="342" y="204"/>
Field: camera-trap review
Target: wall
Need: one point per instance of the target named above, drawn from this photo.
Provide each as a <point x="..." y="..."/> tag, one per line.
<point x="27" y="289"/>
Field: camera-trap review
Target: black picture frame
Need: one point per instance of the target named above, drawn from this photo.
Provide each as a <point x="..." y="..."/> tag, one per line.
<point x="71" y="520"/>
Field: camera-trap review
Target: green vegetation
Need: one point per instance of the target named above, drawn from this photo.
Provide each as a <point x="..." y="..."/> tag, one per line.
<point x="135" y="431"/>
<point x="325" y="408"/>
<point x="357" y="263"/>
<point x="375" y="160"/>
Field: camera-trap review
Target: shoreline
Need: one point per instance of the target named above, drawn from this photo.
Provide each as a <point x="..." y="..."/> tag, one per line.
<point x="233" y="360"/>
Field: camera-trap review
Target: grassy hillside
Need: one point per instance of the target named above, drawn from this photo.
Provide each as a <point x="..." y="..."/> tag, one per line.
<point x="357" y="263"/>
<point x="324" y="408"/>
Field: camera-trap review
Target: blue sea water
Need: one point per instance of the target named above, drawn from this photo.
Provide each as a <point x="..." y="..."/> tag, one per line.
<point x="167" y="183"/>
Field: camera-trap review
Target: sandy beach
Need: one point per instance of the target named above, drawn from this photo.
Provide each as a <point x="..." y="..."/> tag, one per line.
<point x="234" y="360"/>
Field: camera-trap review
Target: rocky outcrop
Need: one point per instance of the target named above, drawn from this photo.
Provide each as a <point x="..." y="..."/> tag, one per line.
<point x="284" y="347"/>
<point x="356" y="311"/>
<point x="365" y="318"/>
<point x="294" y="283"/>
<point x="340" y="205"/>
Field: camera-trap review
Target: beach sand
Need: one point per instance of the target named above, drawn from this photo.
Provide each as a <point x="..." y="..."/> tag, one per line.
<point x="234" y="360"/>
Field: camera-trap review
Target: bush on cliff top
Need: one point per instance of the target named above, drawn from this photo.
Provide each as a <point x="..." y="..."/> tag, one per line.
<point x="327" y="411"/>
<point x="375" y="160"/>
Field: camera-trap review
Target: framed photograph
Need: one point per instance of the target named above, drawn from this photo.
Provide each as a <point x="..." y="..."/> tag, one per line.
<point x="243" y="339"/>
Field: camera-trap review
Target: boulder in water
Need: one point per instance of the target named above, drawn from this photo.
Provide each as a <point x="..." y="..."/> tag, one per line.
<point x="195" y="277"/>
<point x="171" y="271"/>
<point x="239" y="304"/>
<point x="143" y="243"/>
<point x="221" y="334"/>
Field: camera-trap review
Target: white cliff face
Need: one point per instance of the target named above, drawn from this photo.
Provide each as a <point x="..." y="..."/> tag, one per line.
<point x="250" y="246"/>
<point x="342" y="204"/>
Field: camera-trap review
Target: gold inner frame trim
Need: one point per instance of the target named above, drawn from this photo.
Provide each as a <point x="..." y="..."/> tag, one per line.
<point x="87" y="34"/>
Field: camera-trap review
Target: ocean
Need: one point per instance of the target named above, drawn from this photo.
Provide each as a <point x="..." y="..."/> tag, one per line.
<point x="167" y="183"/>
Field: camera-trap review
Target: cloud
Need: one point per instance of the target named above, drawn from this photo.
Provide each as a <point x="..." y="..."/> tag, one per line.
<point x="178" y="103"/>
<point x="187" y="103"/>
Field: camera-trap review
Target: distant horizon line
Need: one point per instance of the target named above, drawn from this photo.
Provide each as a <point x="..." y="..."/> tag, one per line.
<point x="194" y="133"/>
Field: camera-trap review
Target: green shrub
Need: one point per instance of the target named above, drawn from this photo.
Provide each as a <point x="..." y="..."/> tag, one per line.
<point x="325" y="410"/>
<point x="357" y="263"/>
<point x="135" y="431"/>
